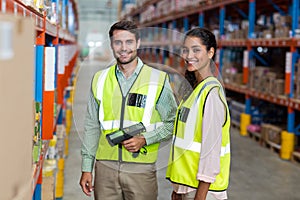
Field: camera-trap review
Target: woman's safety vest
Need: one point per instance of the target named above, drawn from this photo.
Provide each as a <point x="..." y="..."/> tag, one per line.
<point x="187" y="138"/>
<point x="117" y="111"/>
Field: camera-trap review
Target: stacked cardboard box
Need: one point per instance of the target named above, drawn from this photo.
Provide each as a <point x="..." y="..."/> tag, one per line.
<point x="148" y="14"/>
<point x="228" y="73"/>
<point x="238" y="78"/>
<point x="263" y="79"/>
<point x="238" y="34"/>
<point x="162" y="8"/>
<point x="297" y="80"/>
<point x="268" y="82"/>
<point x="256" y="77"/>
<point x="282" y="26"/>
<point x="165" y="7"/>
<point x="278" y="87"/>
<point x="297" y="89"/>
<point x="16" y="105"/>
<point x="278" y="27"/>
<point x="271" y="133"/>
<point x="140" y="3"/>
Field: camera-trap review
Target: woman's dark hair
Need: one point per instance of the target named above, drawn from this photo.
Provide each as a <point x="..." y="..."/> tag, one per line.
<point x="208" y="39"/>
<point x="125" y="25"/>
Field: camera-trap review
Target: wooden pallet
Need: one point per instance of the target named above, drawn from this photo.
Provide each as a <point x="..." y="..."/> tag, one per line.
<point x="255" y="136"/>
<point x="272" y="146"/>
<point x="235" y="124"/>
<point x="296" y="157"/>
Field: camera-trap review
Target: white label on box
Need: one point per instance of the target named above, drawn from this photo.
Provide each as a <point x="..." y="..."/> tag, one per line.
<point x="6" y="40"/>
<point x="15" y="8"/>
<point x="288" y="62"/>
<point x="61" y="60"/>
<point x="246" y="59"/>
<point x="49" y="68"/>
<point x="67" y="51"/>
<point x="3" y="6"/>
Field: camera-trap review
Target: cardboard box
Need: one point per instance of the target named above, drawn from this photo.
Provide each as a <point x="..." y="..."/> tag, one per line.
<point x="278" y="87"/>
<point x="264" y="129"/>
<point x="269" y="84"/>
<point x="238" y="78"/>
<point x="17" y="106"/>
<point x="272" y="133"/>
<point x="48" y="188"/>
<point x="297" y="89"/>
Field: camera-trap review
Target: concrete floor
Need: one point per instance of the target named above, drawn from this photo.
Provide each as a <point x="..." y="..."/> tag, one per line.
<point x="257" y="173"/>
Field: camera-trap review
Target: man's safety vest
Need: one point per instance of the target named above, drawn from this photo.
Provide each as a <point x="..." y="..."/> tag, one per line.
<point x="187" y="138"/>
<point x="117" y="110"/>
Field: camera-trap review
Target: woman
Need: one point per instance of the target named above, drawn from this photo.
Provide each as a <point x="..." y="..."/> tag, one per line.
<point x="200" y="155"/>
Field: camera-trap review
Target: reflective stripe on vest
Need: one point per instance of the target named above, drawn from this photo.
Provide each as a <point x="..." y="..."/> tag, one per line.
<point x="196" y="146"/>
<point x="101" y="81"/>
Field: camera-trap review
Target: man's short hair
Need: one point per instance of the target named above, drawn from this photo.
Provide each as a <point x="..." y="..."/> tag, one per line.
<point x="125" y="25"/>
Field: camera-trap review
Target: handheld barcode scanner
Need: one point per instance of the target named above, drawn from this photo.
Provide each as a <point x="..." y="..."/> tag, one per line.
<point x="119" y="136"/>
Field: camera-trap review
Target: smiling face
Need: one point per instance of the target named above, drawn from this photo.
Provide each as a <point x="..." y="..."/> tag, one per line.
<point x="195" y="54"/>
<point x="124" y="46"/>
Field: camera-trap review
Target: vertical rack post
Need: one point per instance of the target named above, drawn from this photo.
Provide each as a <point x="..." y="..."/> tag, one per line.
<point x="221" y="29"/>
<point x="246" y="64"/>
<point x="60" y="73"/>
<point x="39" y="93"/>
<point x="222" y="21"/>
<point x="172" y="47"/>
<point x="186" y="24"/>
<point x="290" y="69"/>
<point x="251" y="16"/>
<point x="47" y="118"/>
<point x="164" y="36"/>
<point x="201" y="19"/>
<point x="156" y="49"/>
<point x="246" y="117"/>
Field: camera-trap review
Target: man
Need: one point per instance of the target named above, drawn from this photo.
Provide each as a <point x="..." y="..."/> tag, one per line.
<point x="123" y="95"/>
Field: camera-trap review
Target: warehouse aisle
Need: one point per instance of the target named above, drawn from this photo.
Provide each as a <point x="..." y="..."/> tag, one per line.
<point x="257" y="173"/>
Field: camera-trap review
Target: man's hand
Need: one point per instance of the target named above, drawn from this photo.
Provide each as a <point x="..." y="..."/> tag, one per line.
<point x="135" y="143"/>
<point x="86" y="183"/>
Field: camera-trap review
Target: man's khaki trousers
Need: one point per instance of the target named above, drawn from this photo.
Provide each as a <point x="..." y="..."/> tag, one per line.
<point x="125" y="181"/>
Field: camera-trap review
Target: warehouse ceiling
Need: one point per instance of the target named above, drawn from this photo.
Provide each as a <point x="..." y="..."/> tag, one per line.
<point x="97" y="9"/>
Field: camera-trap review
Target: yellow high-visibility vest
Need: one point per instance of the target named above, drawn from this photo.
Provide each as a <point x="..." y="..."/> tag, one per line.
<point x="117" y="110"/>
<point x="187" y="138"/>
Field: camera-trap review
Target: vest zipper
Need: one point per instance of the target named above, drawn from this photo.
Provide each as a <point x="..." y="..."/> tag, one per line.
<point x="121" y="125"/>
<point x="173" y="143"/>
<point x="123" y="107"/>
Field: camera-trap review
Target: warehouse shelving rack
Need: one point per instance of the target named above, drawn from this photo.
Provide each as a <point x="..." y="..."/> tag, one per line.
<point x="247" y="9"/>
<point x="56" y="55"/>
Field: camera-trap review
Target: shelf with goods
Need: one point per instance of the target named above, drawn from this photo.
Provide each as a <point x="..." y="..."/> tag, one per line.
<point x="54" y="50"/>
<point x="273" y="85"/>
<point x="243" y="27"/>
